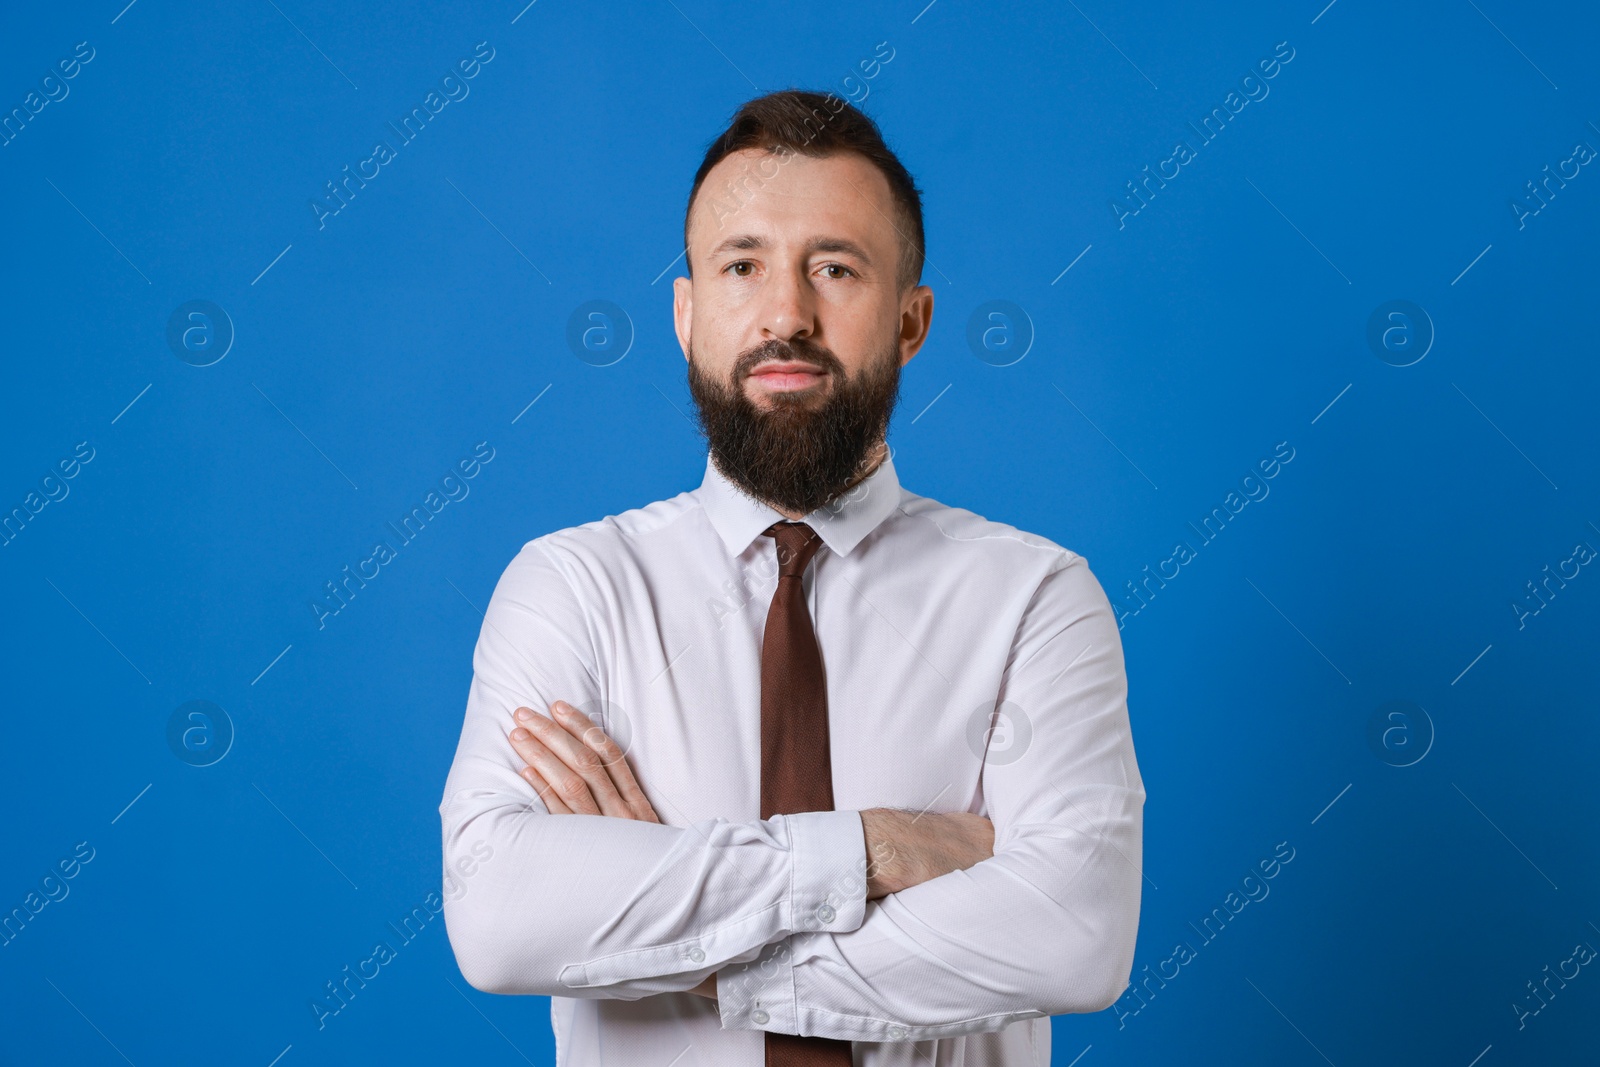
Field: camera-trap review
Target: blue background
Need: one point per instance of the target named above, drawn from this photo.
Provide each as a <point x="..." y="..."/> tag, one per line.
<point x="372" y="353"/>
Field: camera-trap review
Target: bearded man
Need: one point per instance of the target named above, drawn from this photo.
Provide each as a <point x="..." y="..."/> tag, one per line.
<point x="798" y="768"/>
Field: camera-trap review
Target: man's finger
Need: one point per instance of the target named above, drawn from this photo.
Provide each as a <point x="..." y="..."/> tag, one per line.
<point x="552" y="803"/>
<point x="567" y="784"/>
<point x="611" y="757"/>
<point x="578" y="775"/>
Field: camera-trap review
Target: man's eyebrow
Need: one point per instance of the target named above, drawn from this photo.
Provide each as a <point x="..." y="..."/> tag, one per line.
<point x="751" y="241"/>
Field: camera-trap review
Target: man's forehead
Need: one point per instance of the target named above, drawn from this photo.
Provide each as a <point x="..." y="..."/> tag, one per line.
<point x="841" y="194"/>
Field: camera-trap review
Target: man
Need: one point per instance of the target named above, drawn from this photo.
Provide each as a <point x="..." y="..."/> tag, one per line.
<point x="799" y="766"/>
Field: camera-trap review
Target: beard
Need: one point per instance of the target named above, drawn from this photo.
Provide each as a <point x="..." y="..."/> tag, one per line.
<point x="798" y="455"/>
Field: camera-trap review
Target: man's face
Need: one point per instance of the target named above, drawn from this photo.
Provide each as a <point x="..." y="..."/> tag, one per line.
<point x="794" y="325"/>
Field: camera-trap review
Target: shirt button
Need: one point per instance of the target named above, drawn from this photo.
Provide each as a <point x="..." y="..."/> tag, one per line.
<point x="697" y="954"/>
<point x="896" y="1033"/>
<point x="826" y="913"/>
<point x="759" y="1017"/>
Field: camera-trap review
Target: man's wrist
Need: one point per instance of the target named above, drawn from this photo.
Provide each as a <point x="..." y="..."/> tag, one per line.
<point x="883" y="833"/>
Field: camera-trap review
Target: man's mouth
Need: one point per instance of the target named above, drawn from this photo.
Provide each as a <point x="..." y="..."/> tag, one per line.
<point x="787" y="376"/>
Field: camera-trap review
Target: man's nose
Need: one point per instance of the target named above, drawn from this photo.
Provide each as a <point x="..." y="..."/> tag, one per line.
<point x="788" y="307"/>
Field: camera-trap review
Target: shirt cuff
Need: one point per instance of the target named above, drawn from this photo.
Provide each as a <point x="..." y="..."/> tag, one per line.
<point x="828" y="893"/>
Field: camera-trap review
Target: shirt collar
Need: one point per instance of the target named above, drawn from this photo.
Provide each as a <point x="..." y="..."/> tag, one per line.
<point x="739" y="519"/>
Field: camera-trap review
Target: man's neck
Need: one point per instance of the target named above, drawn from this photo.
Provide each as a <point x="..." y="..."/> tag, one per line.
<point x="871" y="462"/>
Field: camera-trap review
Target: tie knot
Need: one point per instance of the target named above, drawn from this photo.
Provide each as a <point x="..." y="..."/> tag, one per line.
<point x="797" y="543"/>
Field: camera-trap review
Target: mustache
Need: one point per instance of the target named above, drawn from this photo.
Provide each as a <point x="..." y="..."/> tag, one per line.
<point x="797" y="351"/>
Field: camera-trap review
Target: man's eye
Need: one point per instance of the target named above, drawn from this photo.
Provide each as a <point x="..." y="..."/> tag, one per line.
<point x="839" y="266"/>
<point x="740" y="263"/>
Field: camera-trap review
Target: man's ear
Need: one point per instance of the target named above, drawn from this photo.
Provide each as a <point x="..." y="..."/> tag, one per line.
<point x="916" y="318"/>
<point x="682" y="311"/>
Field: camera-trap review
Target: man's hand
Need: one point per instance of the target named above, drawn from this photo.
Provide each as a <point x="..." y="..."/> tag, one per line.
<point x="575" y="768"/>
<point x="906" y="849"/>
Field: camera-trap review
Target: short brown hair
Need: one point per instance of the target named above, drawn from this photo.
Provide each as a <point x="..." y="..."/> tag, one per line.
<point x="818" y="125"/>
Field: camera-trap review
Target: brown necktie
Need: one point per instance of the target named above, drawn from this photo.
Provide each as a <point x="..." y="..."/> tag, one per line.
<point x="796" y="772"/>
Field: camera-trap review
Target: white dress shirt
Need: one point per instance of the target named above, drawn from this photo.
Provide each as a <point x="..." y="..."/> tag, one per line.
<point x="971" y="667"/>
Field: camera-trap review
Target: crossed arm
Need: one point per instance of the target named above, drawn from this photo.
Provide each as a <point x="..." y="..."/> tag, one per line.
<point x="577" y="770"/>
<point x="618" y="905"/>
